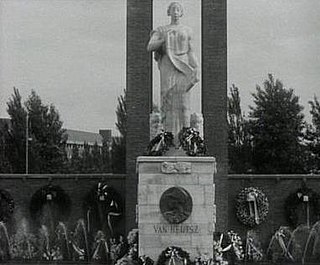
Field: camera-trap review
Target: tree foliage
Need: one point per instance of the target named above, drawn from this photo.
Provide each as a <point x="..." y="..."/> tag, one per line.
<point x="239" y="139"/>
<point x="16" y="136"/>
<point x="121" y="113"/>
<point x="313" y="138"/>
<point x="119" y="143"/>
<point x="47" y="137"/>
<point x="276" y="127"/>
<point x="46" y="141"/>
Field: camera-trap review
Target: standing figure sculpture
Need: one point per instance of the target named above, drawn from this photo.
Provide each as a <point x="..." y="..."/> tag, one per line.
<point x="178" y="67"/>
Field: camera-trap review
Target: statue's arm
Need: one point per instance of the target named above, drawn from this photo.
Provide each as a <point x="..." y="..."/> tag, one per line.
<point x="155" y="41"/>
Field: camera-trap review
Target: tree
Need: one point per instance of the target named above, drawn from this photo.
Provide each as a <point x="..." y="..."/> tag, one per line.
<point x="276" y="128"/>
<point x="5" y="166"/>
<point x="86" y="160"/>
<point x="313" y="138"/>
<point x="106" y="156"/>
<point x="47" y="145"/>
<point x="122" y="116"/>
<point x="46" y="137"/>
<point x="15" y="139"/>
<point x="75" y="160"/>
<point x="239" y="139"/>
<point x="119" y="143"/>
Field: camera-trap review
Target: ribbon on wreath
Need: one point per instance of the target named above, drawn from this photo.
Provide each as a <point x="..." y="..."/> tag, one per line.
<point x="252" y="251"/>
<point x="253" y="207"/>
<point x="279" y="236"/>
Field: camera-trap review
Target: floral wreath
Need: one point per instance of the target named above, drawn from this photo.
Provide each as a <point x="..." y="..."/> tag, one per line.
<point x="6" y="205"/>
<point x="191" y="142"/>
<point x="50" y="193"/>
<point x="160" y="144"/>
<point x="252" y="206"/>
<point x="110" y="200"/>
<point x="302" y="195"/>
<point x="174" y="254"/>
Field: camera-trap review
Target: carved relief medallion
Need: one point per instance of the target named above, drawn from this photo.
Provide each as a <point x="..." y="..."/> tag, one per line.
<point x="176" y="205"/>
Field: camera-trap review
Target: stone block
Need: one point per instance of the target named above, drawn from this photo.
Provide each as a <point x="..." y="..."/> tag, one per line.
<point x="149" y="167"/>
<point x="166" y="179"/>
<point x="202" y="213"/>
<point x="203" y="168"/>
<point x="209" y="194"/>
<point x="205" y="178"/>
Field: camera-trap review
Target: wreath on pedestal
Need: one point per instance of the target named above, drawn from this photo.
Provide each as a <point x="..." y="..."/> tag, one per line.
<point x="174" y="255"/>
<point x="160" y="144"/>
<point x="6" y="206"/>
<point x="252" y="206"/>
<point x="300" y="196"/>
<point x="192" y="142"/>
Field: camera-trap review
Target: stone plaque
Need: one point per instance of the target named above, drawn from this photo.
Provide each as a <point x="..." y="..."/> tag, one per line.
<point x="176" y="205"/>
<point x="176" y="167"/>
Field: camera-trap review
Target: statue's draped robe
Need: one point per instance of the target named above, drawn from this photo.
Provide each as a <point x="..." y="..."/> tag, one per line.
<point x="177" y="76"/>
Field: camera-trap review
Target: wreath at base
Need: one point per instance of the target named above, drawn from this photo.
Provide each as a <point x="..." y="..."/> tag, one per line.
<point x="300" y="196"/>
<point x="6" y="206"/>
<point x="252" y="206"/>
<point x="175" y="254"/>
<point x="50" y="194"/>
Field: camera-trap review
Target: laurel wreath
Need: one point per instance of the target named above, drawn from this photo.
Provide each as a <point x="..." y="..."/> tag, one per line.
<point x="192" y="142"/>
<point x="299" y="197"/>
<point x="6" y="206"/>
<point x="175" y="254"/>
<point x="242" y="207"/>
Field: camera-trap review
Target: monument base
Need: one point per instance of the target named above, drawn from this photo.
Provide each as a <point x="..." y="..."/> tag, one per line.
<point x="176" y="204"/>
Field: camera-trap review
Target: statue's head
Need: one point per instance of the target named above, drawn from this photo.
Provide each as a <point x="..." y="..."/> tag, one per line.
<point x="175" y="8"/>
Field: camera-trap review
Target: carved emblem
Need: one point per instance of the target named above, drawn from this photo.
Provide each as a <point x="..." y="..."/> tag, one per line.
<point x="176" y="205"/>
<point x="176" y="167"/>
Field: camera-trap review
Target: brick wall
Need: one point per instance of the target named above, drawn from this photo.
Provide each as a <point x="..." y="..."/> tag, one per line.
<point x="277" y="188"/>
<point x="214" y="96"/>
<point x="22" y="187"/>
<point x="139" y="97"/>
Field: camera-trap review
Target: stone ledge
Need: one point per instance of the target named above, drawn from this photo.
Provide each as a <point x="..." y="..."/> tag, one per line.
<point x="195" y="159"/>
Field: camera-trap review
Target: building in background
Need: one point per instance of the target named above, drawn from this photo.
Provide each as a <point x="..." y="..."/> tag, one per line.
<point x="80" y="138"/>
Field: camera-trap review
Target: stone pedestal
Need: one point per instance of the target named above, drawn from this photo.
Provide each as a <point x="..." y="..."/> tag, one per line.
<point x="183" y="188"/>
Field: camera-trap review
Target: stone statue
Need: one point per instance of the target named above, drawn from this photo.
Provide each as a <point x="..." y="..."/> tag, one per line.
<point x="172" y="45"/>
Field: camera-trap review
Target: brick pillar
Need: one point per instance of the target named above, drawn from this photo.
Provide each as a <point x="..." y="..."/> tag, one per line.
<point x="139" y="95"/>
<point x="214" y="96"/>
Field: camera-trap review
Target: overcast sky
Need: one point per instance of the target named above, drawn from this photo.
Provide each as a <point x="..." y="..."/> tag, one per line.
<point x="72" y="52"/>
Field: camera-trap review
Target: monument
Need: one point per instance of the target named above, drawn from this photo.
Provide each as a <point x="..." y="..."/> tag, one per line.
<point x="175" y="192"/>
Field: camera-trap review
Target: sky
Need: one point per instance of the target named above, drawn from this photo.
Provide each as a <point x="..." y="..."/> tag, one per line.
<point x="73" y="52"/>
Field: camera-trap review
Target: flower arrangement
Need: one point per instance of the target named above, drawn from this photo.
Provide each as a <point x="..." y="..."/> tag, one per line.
<point x="300" y="196"/>
<point x="252" y="206"/>
<point x="173" y="256"/>
<point x="160" y="144"/>
<point x="191" y="142"/>
<point x="228" y="248"/>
